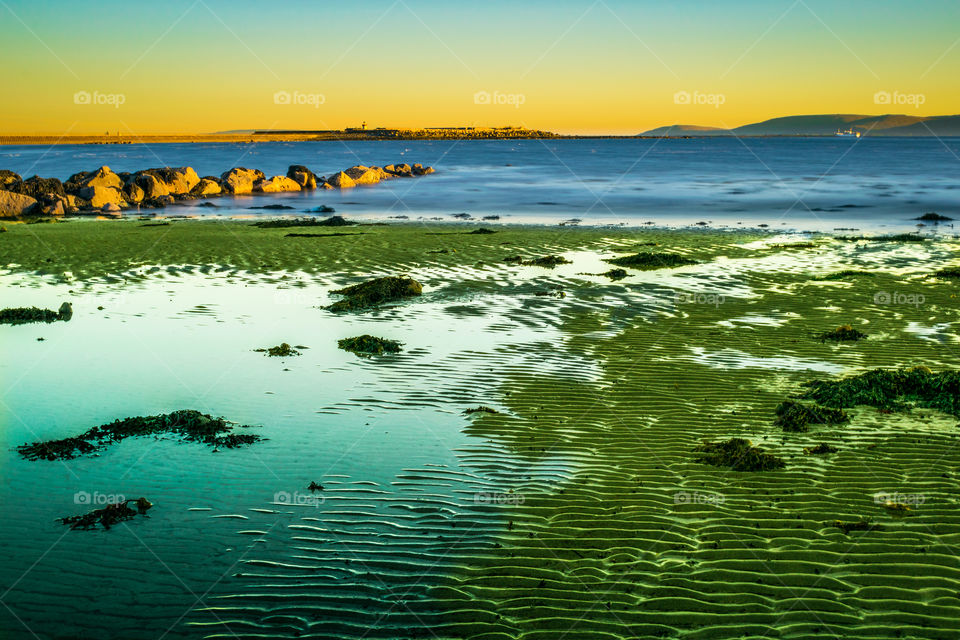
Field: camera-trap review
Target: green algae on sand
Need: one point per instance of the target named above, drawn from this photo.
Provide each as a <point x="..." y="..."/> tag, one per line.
<point x="647" y="260"/>
<point x="191" y="425"/>
<point x="738" y="454"/>
<point x="374" y="292"/>
<point x="367" y="345"/>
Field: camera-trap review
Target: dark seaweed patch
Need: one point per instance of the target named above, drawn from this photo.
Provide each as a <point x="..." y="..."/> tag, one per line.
<point x="900" y="237"/>
<point x="320" y="235"/>
<point x="738" y="454"/>
<point x="366" y="345"/>
<point x="947" y="273"/>
<point x="188" y="424"/>
<point x="108" y="515"/>
<point x="282" y="350"/>
<point x="933" y="217"/>
<point x="332" y="221"/>
<point x="25" y="315"/>
<point x="844" y="333"/>
<point x="820" y="450"/>
<point x="796" y="416"/>
<point x="860" y="525"/>
<point x="890" y="390"/>
<point x="373" y="292"/>
<point x="480" y="409"/>
<point x="846" y="273"/>
<point x="549" y="262"/>
<point x="651" y="260"/>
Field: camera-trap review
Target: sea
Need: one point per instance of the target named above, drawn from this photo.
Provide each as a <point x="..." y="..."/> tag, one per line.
<point x="796" y="184"/>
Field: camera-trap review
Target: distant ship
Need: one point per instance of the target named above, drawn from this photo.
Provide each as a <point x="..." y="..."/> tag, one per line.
<point x="845" y="133"/>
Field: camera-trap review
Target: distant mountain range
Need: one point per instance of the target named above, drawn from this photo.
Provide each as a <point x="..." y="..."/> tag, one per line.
<point x="825" y="125"/>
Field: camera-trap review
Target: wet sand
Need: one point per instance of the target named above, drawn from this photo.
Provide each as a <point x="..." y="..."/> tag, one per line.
<point x="578" y="508"/>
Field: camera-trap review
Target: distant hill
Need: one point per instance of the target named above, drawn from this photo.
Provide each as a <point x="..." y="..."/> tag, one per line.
<point x="686" y="130"/>
<point x="826" y="125"/>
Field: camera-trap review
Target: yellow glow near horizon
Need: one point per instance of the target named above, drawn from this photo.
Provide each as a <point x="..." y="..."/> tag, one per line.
<point x="573" y="67"/>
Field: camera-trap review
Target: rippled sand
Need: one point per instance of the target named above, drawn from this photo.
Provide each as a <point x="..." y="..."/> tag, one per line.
<point x="576" y="511"/>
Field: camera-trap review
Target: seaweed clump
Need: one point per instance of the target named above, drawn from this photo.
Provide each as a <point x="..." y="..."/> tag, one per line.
<point x="795" y="416"/>
<point x="549" y="262"/>
<point x="860" y="525"/>
<point x="367" y="345"/>
<point x="109" y="515"/>
<point x="373" y="292"/>
<point x="899" y="237"/>
<point x="933" y="217"/>
<point x="947" y="273"/>
<point x="738" y="454"/>
<point x="891" y="390"/>
<point x="651" y="260"/>
<point x="25" y="315"/>
<point x="846" y="273"/>
<point x="821" y="449"/>
<point x="282" y="350"/>
<point x="188" y="424"/>
<point x="480" y="409"/>
<point x="332" y="221"/>
<point x="843" y="333"/>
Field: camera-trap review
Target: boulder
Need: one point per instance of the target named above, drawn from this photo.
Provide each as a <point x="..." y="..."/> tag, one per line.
<point x="402" y="170"/>
<point x="240" y="180"/>
<point x="104" y="177"/>
<point x="420" y="170"/>
<point x="16" y="204"/>
<point x="8" y="177"/>
<point x="37" y="187"/>
<point x="363" y="175"/>
<point x="178" y="180"/>
<point x="51" y="204"/>
<point x="110" y="207"/>
<point x="133" y="193"/>
<point x="341" y="180"/>
<point x="157" y="203"/>
<point x="99" y="196"/>
<point x="302" y="176"/>
<point x="75" y="182"/>
<point x="277" y="184"/>
<point x="206" y="187"/>
<point x="153" y="186"/>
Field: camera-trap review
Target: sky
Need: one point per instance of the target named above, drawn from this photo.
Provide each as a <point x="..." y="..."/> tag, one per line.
<point x="593" y="67"/>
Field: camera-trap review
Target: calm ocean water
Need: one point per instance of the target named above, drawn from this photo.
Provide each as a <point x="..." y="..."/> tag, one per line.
<point x="788" y="183"/>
